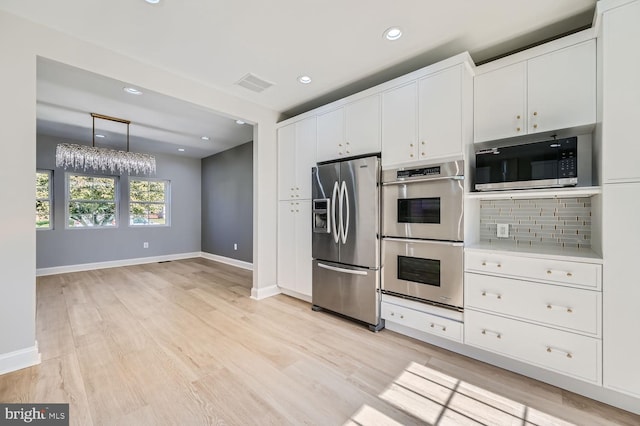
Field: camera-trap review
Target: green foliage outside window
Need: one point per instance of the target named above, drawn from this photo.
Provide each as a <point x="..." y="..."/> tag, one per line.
<point x="43" y="200"/>
<point x="147" y="202"/>
<point x="92" y="201"/>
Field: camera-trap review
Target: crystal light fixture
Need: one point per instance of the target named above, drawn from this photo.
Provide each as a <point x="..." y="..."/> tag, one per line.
<point x="104" y="159"/>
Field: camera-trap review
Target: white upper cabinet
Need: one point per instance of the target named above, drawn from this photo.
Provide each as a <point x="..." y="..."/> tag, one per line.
<point x="621" y="94"/>
<point x="330" y="135"/>
<point x="500" y="103"/>
<point x="350" y="130"/>
<point x="400" y="124"/>
<point x="562" y="88"/>
<point x="549" y="92"/>
<point x="296" y="157"/>
<point x="424" y="119"/>
<point x="440" y="109"/>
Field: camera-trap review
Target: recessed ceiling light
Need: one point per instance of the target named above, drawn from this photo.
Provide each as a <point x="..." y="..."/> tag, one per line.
<point x="204" y="138"/>
<point x="132" y="91"/>
<point x="239" y="122"/>
<point x="181" y="149"/>
<point x="392" y="33"/>
<point x="99" y="135"/>
<point x="152" y="1"/>
<point x="304" y="79"/>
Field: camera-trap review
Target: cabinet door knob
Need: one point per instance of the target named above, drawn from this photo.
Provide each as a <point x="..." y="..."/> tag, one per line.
<point x="517" y="129"/>
<point x="411" y="155"/>
<point x="535" y="113"/>
<point x="518" y="117"/>
<point x="535" y="126"/>
<point x="423" y="143"/>
<point x="423" y="154"/>
<point x="297" y="187"/>
<point x="339" y="144"/>
<point x="410" y="144"/>
<point x="348" y="152"/>
<point x="347" y="143"/>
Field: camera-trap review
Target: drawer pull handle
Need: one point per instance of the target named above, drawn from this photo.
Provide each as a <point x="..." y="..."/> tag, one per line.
<point x="433" y="325"/>
<point x="498" y="335"/>
<point x="497" y="265"/>
<point x="568" y="274"/>
<point x="551" y="349"/>
<point x="569" y="310"/>
<point x="498" y="296"/>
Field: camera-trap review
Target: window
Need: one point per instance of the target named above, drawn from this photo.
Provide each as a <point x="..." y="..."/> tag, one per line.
<point x="91" y="201"/>
<point x="148" y="202"/>
<point x="43" y="199"/>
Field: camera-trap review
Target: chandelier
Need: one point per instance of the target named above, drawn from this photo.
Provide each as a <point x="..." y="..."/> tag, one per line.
<point x="103" y="159"/>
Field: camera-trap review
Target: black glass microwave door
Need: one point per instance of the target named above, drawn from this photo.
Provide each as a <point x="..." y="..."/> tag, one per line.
<point x="418" y="270"/>
<point x="419" y="210"/>
<point x="537" y="161"/>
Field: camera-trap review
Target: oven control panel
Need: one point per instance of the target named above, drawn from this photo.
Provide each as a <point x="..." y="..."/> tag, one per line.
<point x="424" y="171"/>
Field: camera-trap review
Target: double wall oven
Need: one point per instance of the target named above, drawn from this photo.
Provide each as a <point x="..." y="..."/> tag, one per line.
<point x="423" y="233"/>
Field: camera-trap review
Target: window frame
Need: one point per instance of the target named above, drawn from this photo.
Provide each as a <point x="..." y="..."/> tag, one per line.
<point x="67" y="196"/>
<point x="49" y="199"/>
<point x="166" y="203"/>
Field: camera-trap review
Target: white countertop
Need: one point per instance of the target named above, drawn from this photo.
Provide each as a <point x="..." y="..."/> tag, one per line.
<point x="572" y="254"/>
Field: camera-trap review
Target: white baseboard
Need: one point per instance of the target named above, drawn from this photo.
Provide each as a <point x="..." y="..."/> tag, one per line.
<point x="295" y="294"/>
<point x="17" y="360"/>
<point x="227" y="260"/>
<point x="263" y="293"/>
<point x="113" y="264"/>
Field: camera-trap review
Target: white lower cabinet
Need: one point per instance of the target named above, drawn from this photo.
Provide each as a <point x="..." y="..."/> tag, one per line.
<point x="569" y="308"/>
<point x="542" y="311"/>
<point x="553" y="271"/>
<point x="563" y="352"/>
<point x="294" y="247"/>
<point x="422" y="321"/>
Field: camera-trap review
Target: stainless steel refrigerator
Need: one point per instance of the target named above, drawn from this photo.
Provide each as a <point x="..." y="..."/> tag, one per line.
<point x="346" y="239"/>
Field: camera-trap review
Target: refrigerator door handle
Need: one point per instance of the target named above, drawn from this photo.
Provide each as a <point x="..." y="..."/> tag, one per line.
<point x="334" y="195"/>
<point x="346" y="271"/>
<point x="344" y="195"/>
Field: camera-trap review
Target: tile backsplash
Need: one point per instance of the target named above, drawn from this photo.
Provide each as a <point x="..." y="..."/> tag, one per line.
<point x="556" y="222"/>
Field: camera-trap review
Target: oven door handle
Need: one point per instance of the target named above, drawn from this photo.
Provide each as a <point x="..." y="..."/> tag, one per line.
<point x="408" y="240"/>
<point x="346" y="271"/>
<point x="334" y="195"/>
<point x="403" y="182"/>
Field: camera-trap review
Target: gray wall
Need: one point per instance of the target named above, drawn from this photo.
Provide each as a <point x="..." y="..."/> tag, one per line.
<point x="227" y="203"/>
<point x="60" y="246"/>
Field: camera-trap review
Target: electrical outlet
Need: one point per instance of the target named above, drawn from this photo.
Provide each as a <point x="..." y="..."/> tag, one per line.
<point x="235" y="246"/>
<point x="503" y="230"/>
<point x="145" y="245"/>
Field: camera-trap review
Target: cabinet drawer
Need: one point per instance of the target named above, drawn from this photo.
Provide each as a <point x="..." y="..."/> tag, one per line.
<point x="422" y="321"/>
<point x="563" y="352"/>
<point x="548" y="270"/>
<point x="572" y="308"/>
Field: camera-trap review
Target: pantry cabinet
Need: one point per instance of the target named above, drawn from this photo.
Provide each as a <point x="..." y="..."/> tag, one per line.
<point x="296" y="157"/>
<point x="294" y="246"/>
<point x="620" y="93"/>
<point x="351" y="130"/>
<point x="553" y="91"/>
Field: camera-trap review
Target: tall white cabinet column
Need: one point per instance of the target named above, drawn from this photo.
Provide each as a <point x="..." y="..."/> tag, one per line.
<point x="621" y="194"/>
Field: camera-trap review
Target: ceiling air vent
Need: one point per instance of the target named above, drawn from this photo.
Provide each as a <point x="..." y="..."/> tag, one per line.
<point x="254" y="83"/>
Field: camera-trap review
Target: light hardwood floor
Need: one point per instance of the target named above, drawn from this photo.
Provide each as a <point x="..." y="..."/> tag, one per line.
<point x="182" y="343"/>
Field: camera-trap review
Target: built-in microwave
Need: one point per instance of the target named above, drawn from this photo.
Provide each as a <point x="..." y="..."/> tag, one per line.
<point x="548" y="164"/>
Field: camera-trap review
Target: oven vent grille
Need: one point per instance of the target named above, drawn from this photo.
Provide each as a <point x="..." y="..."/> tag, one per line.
<point x="254" y="83"/>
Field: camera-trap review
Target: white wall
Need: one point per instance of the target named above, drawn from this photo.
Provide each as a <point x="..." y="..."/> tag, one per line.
<point x="20" y="43"/>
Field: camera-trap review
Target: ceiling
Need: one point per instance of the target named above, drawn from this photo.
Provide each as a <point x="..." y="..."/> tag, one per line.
<point x="338" y="43"/>
<point x="159" y="124"/>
